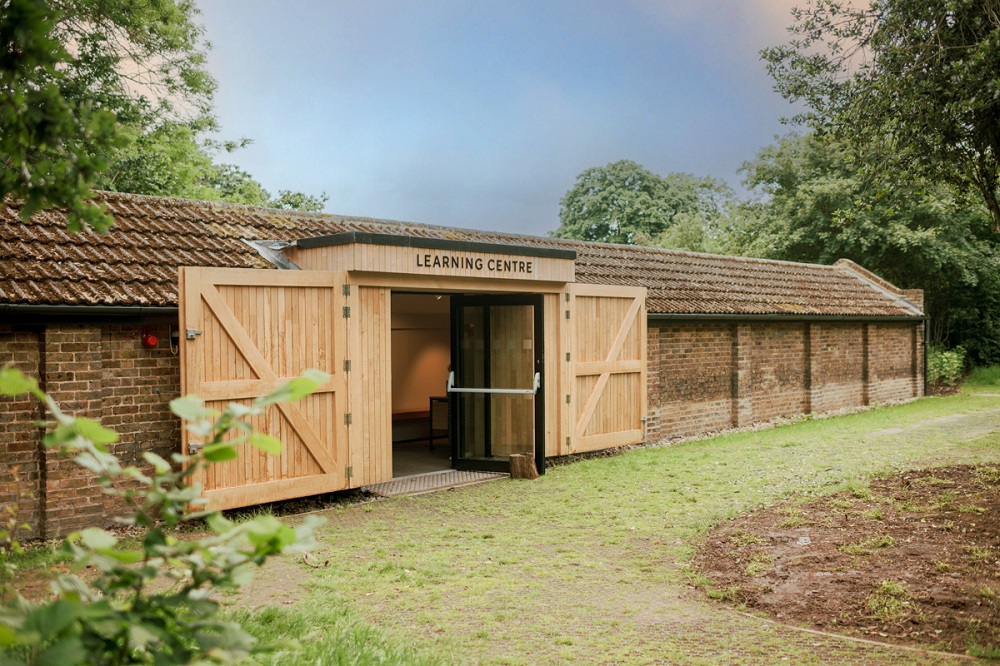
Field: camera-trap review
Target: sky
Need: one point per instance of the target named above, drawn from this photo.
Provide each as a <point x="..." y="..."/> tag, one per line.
<point x="481" y="114"/>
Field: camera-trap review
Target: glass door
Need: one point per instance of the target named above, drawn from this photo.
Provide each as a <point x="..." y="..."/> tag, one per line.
<point x="497" y="380"/>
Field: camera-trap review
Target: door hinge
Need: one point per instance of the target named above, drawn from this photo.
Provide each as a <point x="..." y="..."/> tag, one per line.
<point x="567" y="398"/>
<point x="347" y="312"/>
<point x="190" y="333"/>
<point x="567" y="314"/>
<point x="348" y="472"/>
<point x="567" y="357"/>
<point x="347" y="418"/>
<point x="568" y="440"/>
<point x="567" y="297"/>
<point x="347" y="292"/>
<point x="347" y="365"/>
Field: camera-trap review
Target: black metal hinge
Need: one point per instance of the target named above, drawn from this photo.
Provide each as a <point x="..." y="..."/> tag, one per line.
<point x="347" y="312"/>
<point x="348" y="472"/>
<point x="347" y="365"/>
<point x="346" y="290"/>
<point x="347" y="418"/>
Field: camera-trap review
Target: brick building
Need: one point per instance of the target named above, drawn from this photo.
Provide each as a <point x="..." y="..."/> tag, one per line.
<point x="626" y="343"/>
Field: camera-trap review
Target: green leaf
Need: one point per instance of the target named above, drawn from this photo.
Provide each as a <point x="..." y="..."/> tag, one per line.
<point x="140" y="636"/>
<point x="191" y="408"/>
<point x="15" y="382"/>
<point x="299" y="387"/>
<point x="97" y="539"/>
<point x="66" y="652"/>
<point x="54" y="618"/>
<point x="219" y="523"/>
<point x="93" y="431"/>
<point x="239" y="411"/>
<point x="269" y="533"/>
<point x="123" y="556"/>
<point x="266" y="443"/>
<point x="7" y="635"/>
<point x="219" y="452"/>
<point x="159" y="464"/>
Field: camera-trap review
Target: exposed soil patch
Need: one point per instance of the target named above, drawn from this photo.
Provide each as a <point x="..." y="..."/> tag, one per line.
<point x="912" y="558"/>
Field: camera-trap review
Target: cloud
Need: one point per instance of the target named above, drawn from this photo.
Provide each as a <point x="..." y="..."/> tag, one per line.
<point x="744" y="25"/>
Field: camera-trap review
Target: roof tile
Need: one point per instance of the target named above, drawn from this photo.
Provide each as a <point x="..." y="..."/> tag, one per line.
<point x="136" y="262"/>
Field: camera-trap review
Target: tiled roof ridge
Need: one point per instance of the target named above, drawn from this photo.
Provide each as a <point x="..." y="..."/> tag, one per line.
<point x="857" y="269"/>
<point x="552" y="240"/>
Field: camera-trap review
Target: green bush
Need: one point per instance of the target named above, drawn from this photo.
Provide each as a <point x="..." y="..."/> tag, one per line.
<point x="945" y="366"/>
<point x="151" y="603"/>
<point x="985" y="376"/>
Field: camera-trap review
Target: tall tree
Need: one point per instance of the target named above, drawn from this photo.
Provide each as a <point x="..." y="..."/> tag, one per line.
<point x="808" y="206"/>
<point x="625" y="203"/>
<point x="115" y="96"/>
<point x="912" y="85"/>
<point x="52" y="148"/>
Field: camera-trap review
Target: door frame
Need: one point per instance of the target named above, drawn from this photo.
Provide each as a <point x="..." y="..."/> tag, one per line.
<point x="537" y="302"/>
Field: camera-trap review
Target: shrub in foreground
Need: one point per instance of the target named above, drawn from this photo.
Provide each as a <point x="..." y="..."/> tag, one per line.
<point x="150" y="604"/>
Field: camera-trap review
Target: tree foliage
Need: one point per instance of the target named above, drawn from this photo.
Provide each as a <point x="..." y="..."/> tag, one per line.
<point x="625" y="203"/>
<point x="52" y="147"/>
<point x="913" y="86"/>
<point x="115" y="96"/>
<point x="150" y="602"/>
<point x="811" y="206"/>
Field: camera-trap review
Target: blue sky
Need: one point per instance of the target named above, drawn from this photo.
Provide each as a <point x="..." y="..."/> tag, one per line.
<point x="482" y="114"/>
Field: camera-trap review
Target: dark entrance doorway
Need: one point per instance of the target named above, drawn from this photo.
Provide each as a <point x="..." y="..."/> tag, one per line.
<point x="496" y="387"/>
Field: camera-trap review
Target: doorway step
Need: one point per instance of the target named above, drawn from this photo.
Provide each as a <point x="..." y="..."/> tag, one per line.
<point x="425" y="483"/>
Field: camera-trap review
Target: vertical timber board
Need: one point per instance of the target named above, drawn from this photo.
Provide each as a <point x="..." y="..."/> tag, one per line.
<point x="257" y="330"/>
<point x="608" y="367"/>
<point x="371" y="385"/>
<point x="567" y="392"/>
<point x="554" y="363"/>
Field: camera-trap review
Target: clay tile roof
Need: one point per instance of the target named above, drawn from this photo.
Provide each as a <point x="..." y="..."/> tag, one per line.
<point x="136" y="262"/>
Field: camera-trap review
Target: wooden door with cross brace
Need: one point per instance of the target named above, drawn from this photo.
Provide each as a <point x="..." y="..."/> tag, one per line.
<point x="608" y="366"/>
<point x="244" y="332"/>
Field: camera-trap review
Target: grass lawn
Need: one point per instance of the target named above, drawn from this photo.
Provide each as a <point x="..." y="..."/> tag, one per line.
<point x="589" y="563"/>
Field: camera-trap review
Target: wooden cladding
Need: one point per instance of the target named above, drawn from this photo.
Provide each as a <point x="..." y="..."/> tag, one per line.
<point x="253" y="330"/>
<point x="258" y="329"/>
<point x="608" y="366"/>
<point x="360" y="257"/>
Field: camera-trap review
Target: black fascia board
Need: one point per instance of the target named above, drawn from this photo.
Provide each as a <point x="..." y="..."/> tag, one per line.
<point x="419" y="242"/>
<point x="24" y="313"/>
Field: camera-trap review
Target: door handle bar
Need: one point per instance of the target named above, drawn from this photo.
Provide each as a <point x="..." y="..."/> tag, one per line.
<point x="532" y="391"/>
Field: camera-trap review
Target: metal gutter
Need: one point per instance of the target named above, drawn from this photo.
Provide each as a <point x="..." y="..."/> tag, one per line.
<point x="729" y="316"/>
<point x="92" y="310"/>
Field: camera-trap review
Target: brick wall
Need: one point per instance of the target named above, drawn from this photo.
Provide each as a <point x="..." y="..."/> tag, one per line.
<point x="98" y="371"/>
<point x="20" y="438"/>
<point x="892" y="362"/>
<point x="706" y="376"/>
<point x="837" y="367"/>
<point x="702" y="376"/>
<point x="689" y="379"/>
<point x="777" y="370"/>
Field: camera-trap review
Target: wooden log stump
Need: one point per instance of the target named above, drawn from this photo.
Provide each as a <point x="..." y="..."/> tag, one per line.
<point x="522" y="466"/>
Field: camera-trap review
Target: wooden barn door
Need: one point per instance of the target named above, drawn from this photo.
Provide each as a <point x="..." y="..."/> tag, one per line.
<point x="245" y="332"/>
<point x="608" y="366"/>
